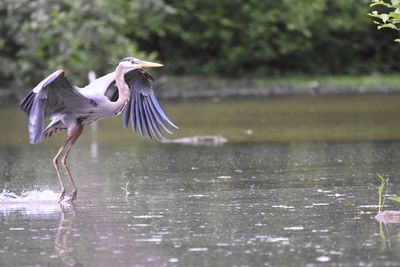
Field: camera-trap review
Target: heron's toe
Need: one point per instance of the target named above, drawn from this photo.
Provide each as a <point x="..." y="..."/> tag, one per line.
<point x="62" y="195"/>
<point x="73" y="194"/>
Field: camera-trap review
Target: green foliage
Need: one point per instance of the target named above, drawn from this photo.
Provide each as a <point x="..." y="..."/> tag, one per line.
<point x="41" y="36"/>
<point x="202" y="37"/>
<point x="391" y="19"/>
<point x="234" y="37"/>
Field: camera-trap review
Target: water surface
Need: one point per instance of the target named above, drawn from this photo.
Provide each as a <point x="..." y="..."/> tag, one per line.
<point x="296" y="185"/>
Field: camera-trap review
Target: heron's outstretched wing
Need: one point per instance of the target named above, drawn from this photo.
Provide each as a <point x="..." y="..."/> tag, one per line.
<point x="143" y="109"/>
<point x="54" y="95"/>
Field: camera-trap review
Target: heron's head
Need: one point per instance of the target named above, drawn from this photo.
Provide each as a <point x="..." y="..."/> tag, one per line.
<point x="131" y="63"/>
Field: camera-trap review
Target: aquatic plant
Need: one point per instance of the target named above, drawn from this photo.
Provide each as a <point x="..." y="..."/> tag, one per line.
<point x="395" y="198"/>
<point x="382" y="192"/>
<point x="386" y="216"/>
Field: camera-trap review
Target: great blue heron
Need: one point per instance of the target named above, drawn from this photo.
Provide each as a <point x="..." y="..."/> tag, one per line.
<point x="127" y="90"/>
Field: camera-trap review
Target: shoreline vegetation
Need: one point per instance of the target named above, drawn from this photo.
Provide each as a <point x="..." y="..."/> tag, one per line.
<point x="195" y="37"/>
<point x="191" y="87"/>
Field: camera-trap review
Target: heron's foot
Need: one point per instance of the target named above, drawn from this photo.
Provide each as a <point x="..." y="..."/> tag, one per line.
<point x="62" y="195"/>
<point x="73" y="195"/>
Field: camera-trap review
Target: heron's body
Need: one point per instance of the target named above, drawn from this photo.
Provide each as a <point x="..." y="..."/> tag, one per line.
<point x="127" y="90"/>
<point x="97" y="104"/>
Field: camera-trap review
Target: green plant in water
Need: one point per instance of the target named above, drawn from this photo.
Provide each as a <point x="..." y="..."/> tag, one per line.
<point x="386" y="217"/>
<point x="395" y="199"/>
<point x="382" y="192"/>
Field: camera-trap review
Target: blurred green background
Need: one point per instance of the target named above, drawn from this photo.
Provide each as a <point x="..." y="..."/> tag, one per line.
<point x="228" y="38"/>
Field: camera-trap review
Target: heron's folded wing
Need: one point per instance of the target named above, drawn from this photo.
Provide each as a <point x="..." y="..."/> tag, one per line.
<point x="53" y="95"/>
<point x="143" y="109"/>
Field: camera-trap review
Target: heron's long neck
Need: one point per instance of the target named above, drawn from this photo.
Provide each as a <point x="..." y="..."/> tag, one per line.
<point x="123" y="89"/>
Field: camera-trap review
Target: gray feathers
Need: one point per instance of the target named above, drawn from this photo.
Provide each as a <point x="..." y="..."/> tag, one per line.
<point x="54" y="95"/>
<point x="143" y="109"/>
<point x="66" y="105"/>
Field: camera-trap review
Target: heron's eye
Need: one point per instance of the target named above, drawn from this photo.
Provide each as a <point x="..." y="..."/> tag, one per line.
<point x="133" y="61"/>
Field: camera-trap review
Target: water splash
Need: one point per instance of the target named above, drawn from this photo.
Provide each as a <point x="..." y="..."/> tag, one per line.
<point x="30" y="203"/>
<point x="39" y="195"/>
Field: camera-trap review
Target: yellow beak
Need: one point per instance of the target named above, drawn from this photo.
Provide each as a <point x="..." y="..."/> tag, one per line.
<point x="147" y="64"/>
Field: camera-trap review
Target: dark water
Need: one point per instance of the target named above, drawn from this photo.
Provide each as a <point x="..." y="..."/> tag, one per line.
<point x="259" y="200"/>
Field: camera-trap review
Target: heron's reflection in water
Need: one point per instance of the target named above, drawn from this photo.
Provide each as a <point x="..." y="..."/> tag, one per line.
<point x="62" y="245"/>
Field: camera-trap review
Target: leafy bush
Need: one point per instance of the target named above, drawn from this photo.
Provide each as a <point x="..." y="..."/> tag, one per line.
<point x="202" y="37"/>
<point x="233" y="37"/>
<point x="78" y="36"/>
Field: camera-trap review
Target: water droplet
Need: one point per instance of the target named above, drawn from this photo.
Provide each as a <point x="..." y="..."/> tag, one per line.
<point x="198" y="249"/>
<point x="323" y="259"/>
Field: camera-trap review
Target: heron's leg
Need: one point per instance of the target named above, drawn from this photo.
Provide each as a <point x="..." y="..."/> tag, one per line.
<point x="74" y="192"/>
<point x="55" y="163"/>
<point x="75" y="133"/>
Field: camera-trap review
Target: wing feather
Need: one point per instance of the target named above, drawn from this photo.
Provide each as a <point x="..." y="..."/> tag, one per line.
<point x="149" y="124"/>
<point x="157" y="116"/>
<point x="133" y="115"/>
<point x="161" y="110"/>
<point x="154" y="127"/>
<point x="142" y="116"/>
<point x="138" y="116"/>
<point x="127" y="111"/>
<point x="143" y="109"/>
<point x="52" y="96"/>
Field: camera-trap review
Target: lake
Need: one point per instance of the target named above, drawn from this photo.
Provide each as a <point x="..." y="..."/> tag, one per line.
<point x="296" y="184"/>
